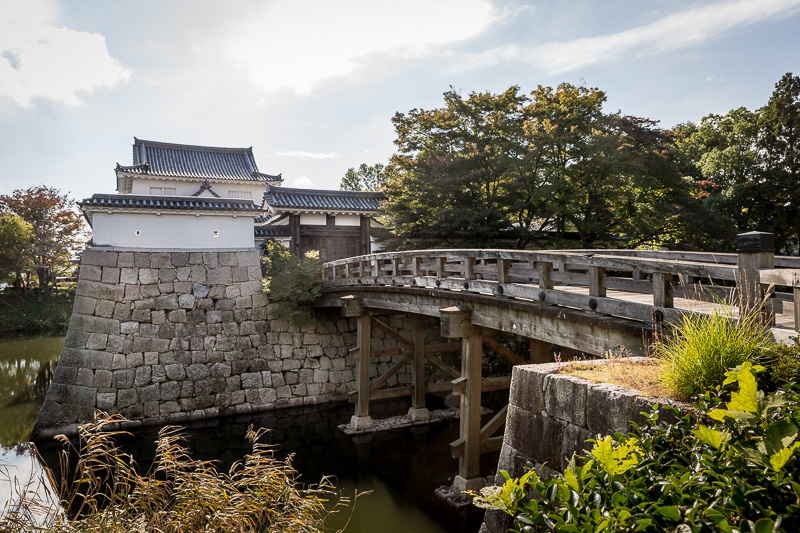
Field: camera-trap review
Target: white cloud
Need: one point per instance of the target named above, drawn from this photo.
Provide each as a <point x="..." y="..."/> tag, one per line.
<point x="310" y="155"/>
<point x="298" y="44"/>
<point x="302" y="182"/>
<point x="684" y="29"/>
<point x="38" y="59"/>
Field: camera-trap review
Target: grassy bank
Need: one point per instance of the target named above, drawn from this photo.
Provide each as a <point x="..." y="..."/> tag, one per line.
<point x="35" y="313"/>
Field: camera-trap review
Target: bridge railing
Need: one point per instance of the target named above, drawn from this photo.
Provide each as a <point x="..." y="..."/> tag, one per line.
<point x="581" y="279"/>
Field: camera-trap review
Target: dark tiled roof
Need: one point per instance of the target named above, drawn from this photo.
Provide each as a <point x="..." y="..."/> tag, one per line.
<point x="200" y="162"/>
<point x="282" y="198"/>
<point x="272" y="231"/>
<point x="192" y="203"/>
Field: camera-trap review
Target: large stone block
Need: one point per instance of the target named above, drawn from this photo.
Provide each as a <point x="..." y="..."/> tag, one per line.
<point x="160" y="260"/>
<point x="219" y="276"/>
<point x="574" y="443"/>
<point x="125" y="259"/>
<point x="83" y="305"/>
<point x="99" y="258"/>
<point x="528" y="388"/>
<point x="148" y="276"/>
<point x="100" y="291"/>
<point x="537" y="436"/>
<point x="609" y="408"/>
<point x="565" y="398"/>
<point x="110" y="275"/>
<point x="180" y="259"/>
<point x="167" y="302"/>
<point x="94" y="324"/>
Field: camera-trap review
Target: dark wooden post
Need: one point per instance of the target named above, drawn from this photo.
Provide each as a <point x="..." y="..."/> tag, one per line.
<point x="540" y="351"/>
<point x="756" y="250"/>
<point x="418" y="411"/>
<point x="457" y="322"/>
<point x="353" y="307"/>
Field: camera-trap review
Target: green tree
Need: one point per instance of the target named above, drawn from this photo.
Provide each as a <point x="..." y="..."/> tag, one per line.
<point x="779" y="188"/>
<point x="17" y="238"/>
<point x="721" y="154"/>
<point x="366" y="178"/>
<point x="58" y="229"/>
<point x="488" y="168"/>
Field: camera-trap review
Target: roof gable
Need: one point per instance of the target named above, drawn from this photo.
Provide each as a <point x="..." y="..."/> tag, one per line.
<point x="195" y="162"/>
<point x="285" y="199"/>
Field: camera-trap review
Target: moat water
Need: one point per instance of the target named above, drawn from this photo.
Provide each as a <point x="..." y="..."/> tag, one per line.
<point x="399" y="468"/>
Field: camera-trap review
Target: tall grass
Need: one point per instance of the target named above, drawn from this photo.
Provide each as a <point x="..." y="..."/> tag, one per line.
<point x="105" y="492"/>
<point x="703" y="347"/>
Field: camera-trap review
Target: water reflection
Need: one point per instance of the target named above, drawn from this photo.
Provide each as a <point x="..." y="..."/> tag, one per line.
<point x="26" y="368"/>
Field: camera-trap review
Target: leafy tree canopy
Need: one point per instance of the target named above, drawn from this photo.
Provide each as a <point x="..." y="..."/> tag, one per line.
<point x="511" y="169"/>
<point x="58" y="229"/>
<point x="17" y="238"/>
<point x="366" y="178"/>
<point x="747" y="164"/>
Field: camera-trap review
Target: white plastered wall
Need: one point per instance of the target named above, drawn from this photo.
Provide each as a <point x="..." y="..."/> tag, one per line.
<point x="189" y="187"/>
<point x="313" y="219"/>
<point x="348" y="220"/>
<point x="172" y="231"/>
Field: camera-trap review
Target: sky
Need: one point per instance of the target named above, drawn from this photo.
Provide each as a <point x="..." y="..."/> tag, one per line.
<point x="312" y="85"/>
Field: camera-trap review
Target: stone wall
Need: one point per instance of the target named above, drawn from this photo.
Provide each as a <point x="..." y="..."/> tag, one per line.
<point x="175" y="336"/>
<point x="550" y="417"/>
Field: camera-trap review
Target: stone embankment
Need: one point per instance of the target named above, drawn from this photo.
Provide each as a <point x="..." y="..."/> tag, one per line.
<point x="551" y="416"/>
<point x="175" y="336"/>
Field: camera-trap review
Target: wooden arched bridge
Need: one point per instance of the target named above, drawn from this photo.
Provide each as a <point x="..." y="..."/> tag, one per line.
<point x="590" y="301"/>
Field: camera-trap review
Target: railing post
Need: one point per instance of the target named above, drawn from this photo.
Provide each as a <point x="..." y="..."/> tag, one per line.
<point x="440" y="262"/>
<point x="597" y="286"/>
<point x="469" y="268"/>
<point x="756" y="250"/>
<point x="415" y="271"/>
<point x="662" y="296"/>
<point x="545" y="269"/>
<point x="395" y="266"/>
<point x="502" y="270"/>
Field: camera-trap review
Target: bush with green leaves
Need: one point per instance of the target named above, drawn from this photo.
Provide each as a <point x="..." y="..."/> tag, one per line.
<point x="732" y="471"/>
<point x="292" y="282"/>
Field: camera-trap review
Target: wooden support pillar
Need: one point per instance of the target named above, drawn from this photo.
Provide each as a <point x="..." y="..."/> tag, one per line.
<point x="540" y="351"/>
<point x="756" y="250"/>
<point x="362" y="420"/>
<point x="456" y="322"/>
<point x="418" y="411"/>
<point x="469" y="473"/>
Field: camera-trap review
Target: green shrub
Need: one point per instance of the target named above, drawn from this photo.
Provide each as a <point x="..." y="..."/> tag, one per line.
<point x="293" y="283"/>
<point x="704" y="347"/>
<point x="35" y="312"/>
<point x="107" y="493"/>
<point x="737" y="473"/>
